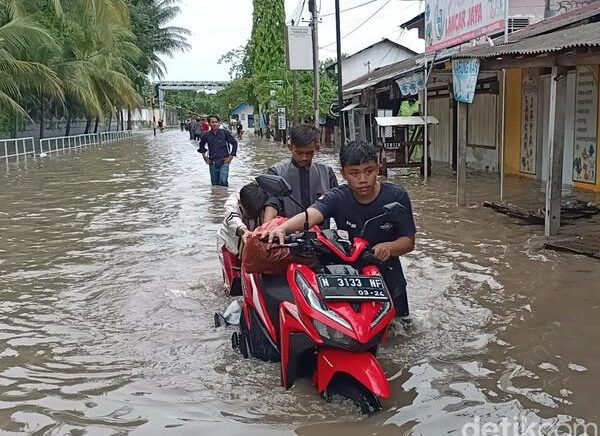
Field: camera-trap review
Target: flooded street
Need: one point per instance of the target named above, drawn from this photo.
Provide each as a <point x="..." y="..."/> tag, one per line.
<point x="109" y="279"/>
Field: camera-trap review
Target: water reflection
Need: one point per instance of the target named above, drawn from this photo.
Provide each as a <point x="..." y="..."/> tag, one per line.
<point x="108" y="282"/>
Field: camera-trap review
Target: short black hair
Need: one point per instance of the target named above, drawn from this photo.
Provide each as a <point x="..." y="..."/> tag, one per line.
<point x="357" y="153"/>
<point x="304" y="134"/>
<point x="216" y="117"/>
<point x="253" y="199"/>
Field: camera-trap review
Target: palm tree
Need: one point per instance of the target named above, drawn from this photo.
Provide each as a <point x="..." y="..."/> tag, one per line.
<point x="19" y="35"/>
<point x="149" y="19"/>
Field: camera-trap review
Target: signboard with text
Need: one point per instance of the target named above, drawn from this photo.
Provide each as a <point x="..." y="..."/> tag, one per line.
<point x="453" y="22"/>
<point x="281" y="118"/>
<point x="413" y="84"/>
<point x="586" y="125"/>
<point x="529" y="120"/>
<point x="464" y="79"/>
<point x="298" y="48"/>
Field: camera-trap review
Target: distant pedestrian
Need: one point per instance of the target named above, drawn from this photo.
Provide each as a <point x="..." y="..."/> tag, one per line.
<point x="240" y="130"/>
<point x="204" y="126"/>
<point x="160" y="125"/>
<point x="222" y="148"/>
<point x="197" y="129"/>
<point x="192" y="127"/>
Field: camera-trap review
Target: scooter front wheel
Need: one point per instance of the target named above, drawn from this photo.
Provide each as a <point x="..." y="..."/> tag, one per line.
<point x="348" y="387"/>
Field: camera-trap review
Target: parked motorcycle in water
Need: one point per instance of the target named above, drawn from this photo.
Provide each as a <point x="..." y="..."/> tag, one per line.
<point x="324" y="320"/>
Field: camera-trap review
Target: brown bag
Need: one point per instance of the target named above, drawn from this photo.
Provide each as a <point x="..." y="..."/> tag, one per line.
<point x="257" y="258"/>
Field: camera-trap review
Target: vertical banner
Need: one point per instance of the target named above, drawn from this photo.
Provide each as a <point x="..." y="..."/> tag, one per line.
<point x="585" y="145"/>
<point x="452" y="22"/>
<point x="281" y="118"/>
<point x="529" y="118"/>
<point x="298" y="48"/>
<point x="464" y="79"/>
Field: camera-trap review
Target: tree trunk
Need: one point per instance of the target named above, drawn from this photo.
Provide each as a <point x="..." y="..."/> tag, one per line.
<point x="88" y="123"/>
<point x="42" y="118"/>
<point x="109" y="121"/>
<point x="122" y="119"/>
<point x="68" y="128"/>
<point x="117" y="117"/>
<point x="96" y="124"/>
<point x="129" y="127"/>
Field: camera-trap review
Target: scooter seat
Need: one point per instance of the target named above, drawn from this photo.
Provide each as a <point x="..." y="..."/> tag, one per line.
<point x="275" y="290"/>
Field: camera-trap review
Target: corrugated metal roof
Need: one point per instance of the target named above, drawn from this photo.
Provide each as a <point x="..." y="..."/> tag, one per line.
<point x="384" y="73"/>
<point x="558" y="21"/>
<point x="587" y="35"/>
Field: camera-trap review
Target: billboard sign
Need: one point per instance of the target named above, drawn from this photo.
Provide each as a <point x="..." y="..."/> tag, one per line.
<point x="453" y="22"/>
<point x="298" y="48"/>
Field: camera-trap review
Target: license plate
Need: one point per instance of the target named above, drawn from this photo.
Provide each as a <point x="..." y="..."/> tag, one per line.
<point x="351" y="288"/>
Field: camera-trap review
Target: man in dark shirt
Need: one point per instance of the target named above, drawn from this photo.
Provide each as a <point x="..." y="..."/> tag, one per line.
<point x="219" y="153"/>
<point x="308" y="179"/>
<point x="353" y="204"/>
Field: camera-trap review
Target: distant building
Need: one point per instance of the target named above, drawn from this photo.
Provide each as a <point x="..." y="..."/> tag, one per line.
<point x="384" y="52"/>
<point x="245" y="114"/>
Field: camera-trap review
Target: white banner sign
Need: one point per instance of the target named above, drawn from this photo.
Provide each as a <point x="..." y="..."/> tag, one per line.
<point x="298" y="48"/>
<point x="411" y="85"/>
<point x="281" y="118"/>
<point x="464" y="79"/>
<point x="452" y="22"/>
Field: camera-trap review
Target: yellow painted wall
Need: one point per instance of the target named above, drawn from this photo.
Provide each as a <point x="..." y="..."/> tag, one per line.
<point x="513" y="123"/>
<point x="589" y="186"/>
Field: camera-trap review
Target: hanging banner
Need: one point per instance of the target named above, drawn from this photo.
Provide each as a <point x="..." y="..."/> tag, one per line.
<point x="411" y="85"/>
<point x="586" y="125"/>
<point x="281" y="118"/>
<point x="452" y="22"/>
<point x="464" y="79"/>
<point x="529" y="120"/>
<point x="298" y="48"/>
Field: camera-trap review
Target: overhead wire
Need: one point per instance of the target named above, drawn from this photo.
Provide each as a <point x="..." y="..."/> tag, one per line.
<point x="351" y="8"/>
<point x="361" y="24"/>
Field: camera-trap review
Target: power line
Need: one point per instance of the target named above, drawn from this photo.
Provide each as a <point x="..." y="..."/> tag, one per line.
<point x="361" y="5"/>
<point x="349" y="9"/>
<point x="361" y="24"/>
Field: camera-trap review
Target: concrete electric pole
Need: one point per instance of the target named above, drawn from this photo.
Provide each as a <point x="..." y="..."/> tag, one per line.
<point x="312" y="7"/>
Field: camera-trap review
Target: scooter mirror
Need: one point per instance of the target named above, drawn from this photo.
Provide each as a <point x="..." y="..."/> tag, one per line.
<point x="394" y="210"/>
<point x="274" y="185"/>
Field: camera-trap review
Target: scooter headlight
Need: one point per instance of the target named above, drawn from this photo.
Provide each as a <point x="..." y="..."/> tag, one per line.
<point x="334" y="336"/>
<point x="316" y="303"/>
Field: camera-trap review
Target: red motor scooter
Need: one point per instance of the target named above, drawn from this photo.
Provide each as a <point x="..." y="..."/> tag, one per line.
<point x="324" y="320"/>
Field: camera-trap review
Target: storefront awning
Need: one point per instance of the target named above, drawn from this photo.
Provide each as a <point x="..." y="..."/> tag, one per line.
<point x="405" y="121"/>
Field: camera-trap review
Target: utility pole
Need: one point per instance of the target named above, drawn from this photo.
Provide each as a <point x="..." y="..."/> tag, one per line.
<point x="338" y="40"/>
<point x="312" y="7"/>
<point x="294" y="98"/>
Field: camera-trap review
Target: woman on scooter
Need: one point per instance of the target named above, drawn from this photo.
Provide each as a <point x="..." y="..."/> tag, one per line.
<point x="353" y="204"/>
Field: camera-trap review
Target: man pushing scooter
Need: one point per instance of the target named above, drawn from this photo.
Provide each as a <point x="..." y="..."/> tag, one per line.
<point x="353" y="204"/>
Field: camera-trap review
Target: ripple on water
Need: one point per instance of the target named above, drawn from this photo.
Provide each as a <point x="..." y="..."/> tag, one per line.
<point x="110" y="281"/>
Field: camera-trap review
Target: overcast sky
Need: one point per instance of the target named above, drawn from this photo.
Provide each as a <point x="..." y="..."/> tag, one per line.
<point x="221" y="25"/>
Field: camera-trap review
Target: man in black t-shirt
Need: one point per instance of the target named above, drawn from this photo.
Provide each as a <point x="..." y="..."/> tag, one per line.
<point x="353" y="204"/>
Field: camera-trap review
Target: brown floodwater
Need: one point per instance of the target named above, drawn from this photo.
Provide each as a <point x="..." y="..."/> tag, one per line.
<point x="109" y="279"/>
